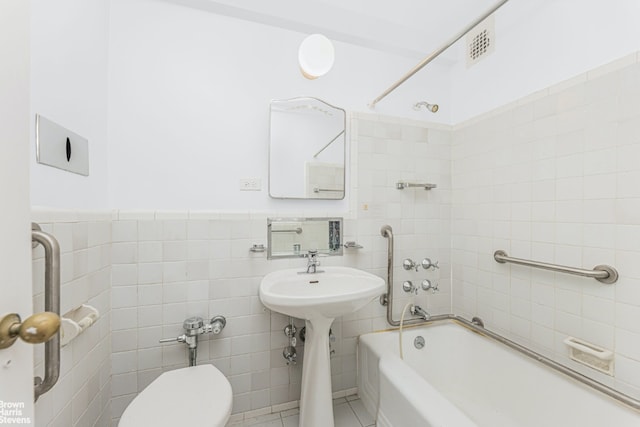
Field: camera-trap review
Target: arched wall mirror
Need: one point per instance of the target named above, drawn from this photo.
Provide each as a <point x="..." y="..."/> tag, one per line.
<point x="307" y="149"/>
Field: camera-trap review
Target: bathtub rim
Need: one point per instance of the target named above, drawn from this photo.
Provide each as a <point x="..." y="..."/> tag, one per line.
<point x="619" y="396"/>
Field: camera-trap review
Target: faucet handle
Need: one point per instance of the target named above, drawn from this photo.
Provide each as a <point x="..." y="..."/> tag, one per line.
<point x="409" y="287"/>
<point x="427" y="264"/>
<point x="409" y="264"/>
<point x="217" y="324"/>
<point x="426" y="285"/>
<point x="180" y="338"/>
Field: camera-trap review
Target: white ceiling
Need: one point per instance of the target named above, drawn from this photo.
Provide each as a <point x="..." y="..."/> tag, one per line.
<point x="411" y="28"/>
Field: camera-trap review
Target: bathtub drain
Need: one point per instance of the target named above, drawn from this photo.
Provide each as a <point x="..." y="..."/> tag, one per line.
<point x="418" y="342"/>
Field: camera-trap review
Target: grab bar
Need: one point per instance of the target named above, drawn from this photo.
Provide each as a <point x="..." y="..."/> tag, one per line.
<point x="51" y="304"/>
<point x="295" y="230"/>
<point x="602" y="273"/>
<point x="403" y="185"/>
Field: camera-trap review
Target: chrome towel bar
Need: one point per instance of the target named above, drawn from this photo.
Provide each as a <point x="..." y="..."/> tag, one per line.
<point x="602" y="273"/>
<point x="320" y="190"/>
<point x="403" y="185"/>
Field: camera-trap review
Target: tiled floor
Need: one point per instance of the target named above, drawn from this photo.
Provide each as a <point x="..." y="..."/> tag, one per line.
<point x="349" y="412"/>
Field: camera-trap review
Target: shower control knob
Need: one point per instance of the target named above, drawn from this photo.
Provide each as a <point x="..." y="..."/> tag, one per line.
<point x="427" y="264"/>
<point x="409" y="287"/>
<point x="409" y="264"/>
<point x="426" y="285"/>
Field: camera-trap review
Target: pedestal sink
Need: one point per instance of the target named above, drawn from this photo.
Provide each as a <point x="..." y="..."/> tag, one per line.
<point x="318" y="298"/>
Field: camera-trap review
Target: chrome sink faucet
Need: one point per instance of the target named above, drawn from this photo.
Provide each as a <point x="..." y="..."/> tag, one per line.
<point x="312" y="262"/>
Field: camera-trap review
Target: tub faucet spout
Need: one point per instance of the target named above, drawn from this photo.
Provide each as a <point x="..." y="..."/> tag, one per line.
<point x="416" y="310"/>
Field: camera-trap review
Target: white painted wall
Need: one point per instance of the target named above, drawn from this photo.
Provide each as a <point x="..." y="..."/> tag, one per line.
<point x="189" y="104"/>
<point x="69" y="86"/>
<point x="542" y="43"/>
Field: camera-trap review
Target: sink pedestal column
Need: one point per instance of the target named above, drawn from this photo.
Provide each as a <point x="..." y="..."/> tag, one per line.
<point x="316" y="403"/>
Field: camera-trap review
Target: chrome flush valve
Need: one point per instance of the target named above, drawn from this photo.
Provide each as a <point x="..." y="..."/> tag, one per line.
<point x="193" y="327"/>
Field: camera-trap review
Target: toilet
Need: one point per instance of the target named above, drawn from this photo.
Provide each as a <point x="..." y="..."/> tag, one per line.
<point x="194" y="396"/>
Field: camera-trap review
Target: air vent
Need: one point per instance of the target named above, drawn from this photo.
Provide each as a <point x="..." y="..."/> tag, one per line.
<point x="480" y="41"/>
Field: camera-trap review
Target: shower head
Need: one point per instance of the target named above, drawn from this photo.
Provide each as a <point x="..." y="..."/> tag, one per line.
<point x="431" y="107"/>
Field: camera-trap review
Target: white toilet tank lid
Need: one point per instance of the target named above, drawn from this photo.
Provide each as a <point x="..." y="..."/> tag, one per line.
<point x="194" y="396"/>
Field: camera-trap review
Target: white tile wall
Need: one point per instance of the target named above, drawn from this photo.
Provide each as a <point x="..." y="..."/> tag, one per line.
<point x="554" y="177"/>
<point x="83" y="393"/>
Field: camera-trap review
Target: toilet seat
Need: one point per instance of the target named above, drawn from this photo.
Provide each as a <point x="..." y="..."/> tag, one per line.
<point x="194" y="396"/>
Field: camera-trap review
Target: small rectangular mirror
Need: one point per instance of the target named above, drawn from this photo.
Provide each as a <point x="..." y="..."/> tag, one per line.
<point x="295" y="237"/>
<point x="307" y="150"/>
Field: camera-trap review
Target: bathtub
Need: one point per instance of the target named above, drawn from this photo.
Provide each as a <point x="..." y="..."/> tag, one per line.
<point x="463" y="379"/>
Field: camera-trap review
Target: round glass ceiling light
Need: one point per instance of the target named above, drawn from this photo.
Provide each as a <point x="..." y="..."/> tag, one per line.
<point x="315" y="56"/>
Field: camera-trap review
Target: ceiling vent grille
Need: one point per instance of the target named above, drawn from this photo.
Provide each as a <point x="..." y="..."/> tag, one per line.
<point x="481" y="41"/>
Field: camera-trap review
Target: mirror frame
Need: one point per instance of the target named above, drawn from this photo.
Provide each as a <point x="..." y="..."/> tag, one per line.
<point x="344" y="154"/>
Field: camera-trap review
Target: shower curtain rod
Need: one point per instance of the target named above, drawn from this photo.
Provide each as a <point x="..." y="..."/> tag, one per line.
<point x="437" y="53"/>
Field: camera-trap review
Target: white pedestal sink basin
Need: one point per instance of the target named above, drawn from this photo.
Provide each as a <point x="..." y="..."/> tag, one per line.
<point x="318" y="298"/>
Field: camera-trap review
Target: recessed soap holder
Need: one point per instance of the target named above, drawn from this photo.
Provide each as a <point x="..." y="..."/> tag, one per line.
<point x="76" y="321"/>
<point x="590" y="355"/>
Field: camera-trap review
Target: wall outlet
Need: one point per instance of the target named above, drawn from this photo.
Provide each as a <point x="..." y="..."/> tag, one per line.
<point x="250" y="184"/>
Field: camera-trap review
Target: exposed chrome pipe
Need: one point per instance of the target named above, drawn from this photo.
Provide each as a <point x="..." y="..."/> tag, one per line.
<point x="437" y="53"/>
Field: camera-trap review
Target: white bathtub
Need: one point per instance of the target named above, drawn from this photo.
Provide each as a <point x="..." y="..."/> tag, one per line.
<point x="462" y="379"/>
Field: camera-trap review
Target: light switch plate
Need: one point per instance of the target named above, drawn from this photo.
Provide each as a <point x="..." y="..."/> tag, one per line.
<point x="59" y="147"/>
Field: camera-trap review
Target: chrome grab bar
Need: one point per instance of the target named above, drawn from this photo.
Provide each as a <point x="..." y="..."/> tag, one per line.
<point x="294" y="230"/>
<point x="403" y="185"/>
<point x="602" y="273"/>
<point x="51" y="304"/>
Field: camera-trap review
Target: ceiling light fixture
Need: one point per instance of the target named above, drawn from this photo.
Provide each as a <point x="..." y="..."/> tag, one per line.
<point x="315" y="56"/>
